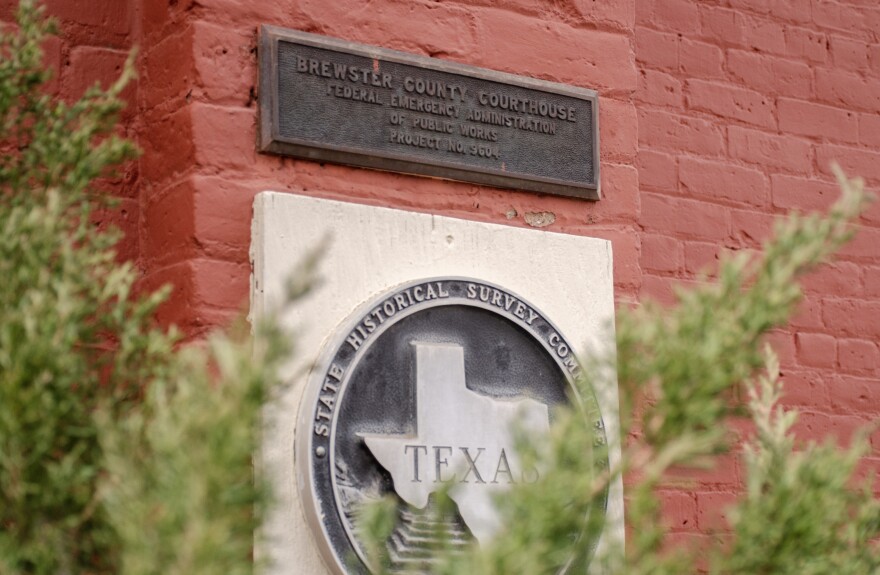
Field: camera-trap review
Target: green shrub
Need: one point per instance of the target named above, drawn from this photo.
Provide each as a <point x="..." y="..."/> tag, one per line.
<point x="118" y="454"/>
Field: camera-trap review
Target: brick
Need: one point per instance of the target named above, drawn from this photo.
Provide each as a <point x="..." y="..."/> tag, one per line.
<point x="176" y="309"/>
<point x="874" y="57"/>
<point x="742" y="429"/>
<point x="123" y="217"/>
<point x="872" y="214"/>
<point x="817" y="120"/>
<point x="818" y="427"/>
<point x="225" y="64"/>
<point x="657" y="289"/>
<point x="684" y="217"/>
<point x="866" y="471"/>
<point x="211" y="274"/>
<point x="384" y="189"/>
<point x="869" y="130"/>
<point x="105" y="24"/>
<point x="51" y="47"/>
<point x="659" y="89"/>
<point x="783" y="345"/>
<point x="808" y="314"/>
<point x="731" y="102"/>
<point x="88" y="66"/>
<point x="433" y="28"/>
<point x="846" y="90"/>
<point x="782" y="152"/>
<point x="722" y="181"/>
<point x="162" y="18"/>
<point x="695" y="545"/>
<point x="816" y="350"/>
<point x="521" y="44"/>
<point x="168" y="235"/>
<point x="864" y="244"/>
<point x="643" y="13"/>
<point x="676" y="16"/>
<point x="700" y="60"/>
<point x="701" y="258"/>
<point x="856" y="162"/>
<point x="852" y="317"/>
<point x="872" y="281"/>
<point x="849" y="54"/>
<point x="756" y="6"/>
<point x="807" y="44"/>
<point x="168" y="69"/>
<point x="618" y="129"/>
<point x="869" y="3"/>
<point x="790" y="10"/>
<point x="790" y="193"/>
<point x="123" y="181"/>
<point x="838" y="277"/>
<point x="662" y="289"/>
<point x="113" y="16"/>
<point x="874" y="439"/>
<point x="858" y="355"/>
<point x="204" y="292"/>
<point x="522" y="6"/>
<point x="620" y="184"/>
<point x="7" y="10"/>
<point x="869" y="23"/>
<point x="750" y="228"/>
<point x="620" y="14"/>
<point x="223" y="136"/>
<point x="167" y="146"/>
<point x="803" y="388"/>
<point x="200" y="216"/>
<point x="840" y="16"/>
<point x="723" y="473"/>
<point x="791" y="78"/>
<point x="722" y="24"/>
<point x="657" y="50"/>
<point x="627" y="247"/>
<point x="855" y="394"/>
<point x="657" y="171"/>
<point x="679" y="510"/>
<point x="661" y="253"/>
<point x="770" y="74"/>
<point x="678" y="133"/>
<point x="764" y="35"/>
<point x="712" y="508"/>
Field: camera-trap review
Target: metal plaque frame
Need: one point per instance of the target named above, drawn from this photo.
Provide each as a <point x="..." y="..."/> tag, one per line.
<point x="319" y="500"/>
<point x="519" y="173"/>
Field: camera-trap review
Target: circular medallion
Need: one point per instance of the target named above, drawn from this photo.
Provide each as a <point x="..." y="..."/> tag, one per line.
<point x="424" y="388"/>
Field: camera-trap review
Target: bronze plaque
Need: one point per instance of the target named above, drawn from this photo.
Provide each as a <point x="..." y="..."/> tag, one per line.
<point x="425" y="389"/>
<point x="335" y="101"/>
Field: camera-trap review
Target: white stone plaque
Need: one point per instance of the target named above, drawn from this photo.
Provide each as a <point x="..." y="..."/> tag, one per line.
<point x="429" y="341"/>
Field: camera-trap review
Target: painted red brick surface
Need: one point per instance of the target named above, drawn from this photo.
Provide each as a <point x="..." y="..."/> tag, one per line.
<point x="715" y="117"/>
<point x="740" y="117"/>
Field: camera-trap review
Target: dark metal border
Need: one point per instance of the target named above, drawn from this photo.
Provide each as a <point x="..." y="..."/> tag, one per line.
<point x="319" y="503"/>
<point x="271" y="141"/>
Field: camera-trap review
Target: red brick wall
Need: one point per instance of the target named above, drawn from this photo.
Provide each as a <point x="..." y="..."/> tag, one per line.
<point x="715" y="116"/>
<point x="743" y="105"/>
<point x="93" y="42"/>
<point x="200" y="170"/>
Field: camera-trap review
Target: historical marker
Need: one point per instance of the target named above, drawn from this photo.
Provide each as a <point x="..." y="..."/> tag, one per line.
<point x="330" y="100"/>
<point x="425" y="389"/>
<point x="429" y="345"/>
